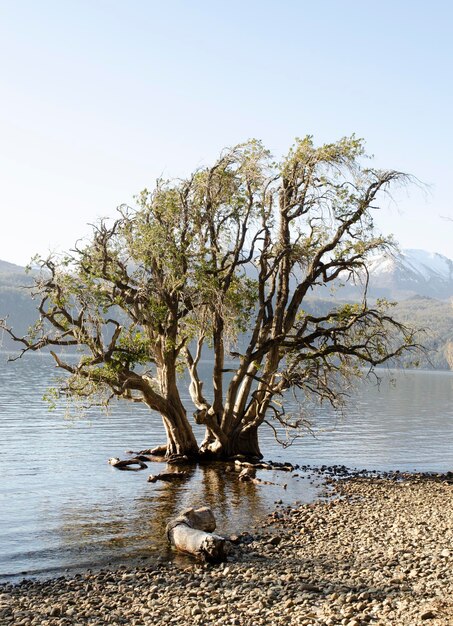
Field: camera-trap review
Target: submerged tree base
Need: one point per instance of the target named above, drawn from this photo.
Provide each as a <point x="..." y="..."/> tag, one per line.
<point x="240" y="461"/>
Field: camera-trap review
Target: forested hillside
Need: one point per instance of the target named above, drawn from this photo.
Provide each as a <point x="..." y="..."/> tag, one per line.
<point x="435" y="317"/>
<point x="16" y="302"/>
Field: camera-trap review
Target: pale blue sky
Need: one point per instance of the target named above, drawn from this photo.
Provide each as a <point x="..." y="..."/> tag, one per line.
<point x="100" y="97"/>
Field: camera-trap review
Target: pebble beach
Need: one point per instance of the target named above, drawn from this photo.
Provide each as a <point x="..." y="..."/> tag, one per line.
<point x="375" y="551"/>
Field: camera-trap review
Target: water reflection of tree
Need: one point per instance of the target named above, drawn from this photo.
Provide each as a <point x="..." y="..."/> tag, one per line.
<point x="139" y="530"/>
<point x="234" y="503"/>
<point x="124" y="524"/>
<point x="211" y="485"/>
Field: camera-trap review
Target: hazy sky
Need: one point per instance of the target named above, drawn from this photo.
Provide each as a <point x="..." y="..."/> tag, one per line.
<point x="99" y="98"/>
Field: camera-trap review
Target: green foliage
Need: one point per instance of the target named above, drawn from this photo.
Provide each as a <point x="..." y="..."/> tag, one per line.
<point x="133" y="349"/>
<point x="51" y="397"/>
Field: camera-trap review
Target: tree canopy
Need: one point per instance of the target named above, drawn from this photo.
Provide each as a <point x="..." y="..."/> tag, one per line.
<point x="225" y="259"/>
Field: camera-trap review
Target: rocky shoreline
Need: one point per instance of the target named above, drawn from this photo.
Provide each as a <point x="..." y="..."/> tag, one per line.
<point x="377" y="550"/>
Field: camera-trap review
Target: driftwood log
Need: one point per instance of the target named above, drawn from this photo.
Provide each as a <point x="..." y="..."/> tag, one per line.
<point x="167" y="476"/>
<point x="126" y="465"/>
<point x="192" y="532"/>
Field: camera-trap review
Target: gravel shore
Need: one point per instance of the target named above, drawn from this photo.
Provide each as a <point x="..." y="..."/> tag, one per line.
<point x="377" y="551"/>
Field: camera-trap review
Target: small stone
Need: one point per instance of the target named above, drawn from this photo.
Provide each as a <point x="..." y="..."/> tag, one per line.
<point x="430" y="614"/>
<point x="288" y="604"/>
<point x="309" y="587"/>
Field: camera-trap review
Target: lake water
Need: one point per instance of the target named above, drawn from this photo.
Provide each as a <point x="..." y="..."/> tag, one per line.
<point x="63" y="507"/>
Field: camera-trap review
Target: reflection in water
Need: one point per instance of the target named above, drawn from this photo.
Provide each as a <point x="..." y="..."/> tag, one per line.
<point x="101" y="536"/>
<point x="136" y="528"/>
<point x="62" y="505"/>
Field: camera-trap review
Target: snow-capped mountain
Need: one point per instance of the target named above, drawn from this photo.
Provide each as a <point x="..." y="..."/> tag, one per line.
<point x="411" y="272"/>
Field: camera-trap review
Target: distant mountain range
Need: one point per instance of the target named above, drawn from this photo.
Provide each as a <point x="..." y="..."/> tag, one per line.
<point x="8" y="268"/>
<point x="15" y="300"/>
<point x="421" y="282"/>
<point x="411" y="273"/>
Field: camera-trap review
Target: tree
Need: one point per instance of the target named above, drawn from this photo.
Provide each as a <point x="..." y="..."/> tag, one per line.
<point x="226" y="259"/>
<point x="448" y="352"/>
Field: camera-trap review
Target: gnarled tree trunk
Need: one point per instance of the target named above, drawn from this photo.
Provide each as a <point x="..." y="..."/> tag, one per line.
<point x="180" y="437"/>
<point x="243" y="441"/>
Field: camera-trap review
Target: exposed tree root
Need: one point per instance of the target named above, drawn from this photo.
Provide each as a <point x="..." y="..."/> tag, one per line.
<point x="167" y="476"/>
<point x="283" y="467"/>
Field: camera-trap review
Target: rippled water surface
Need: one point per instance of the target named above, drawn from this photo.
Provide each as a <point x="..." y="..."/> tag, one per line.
<point x="63" y="506"/>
